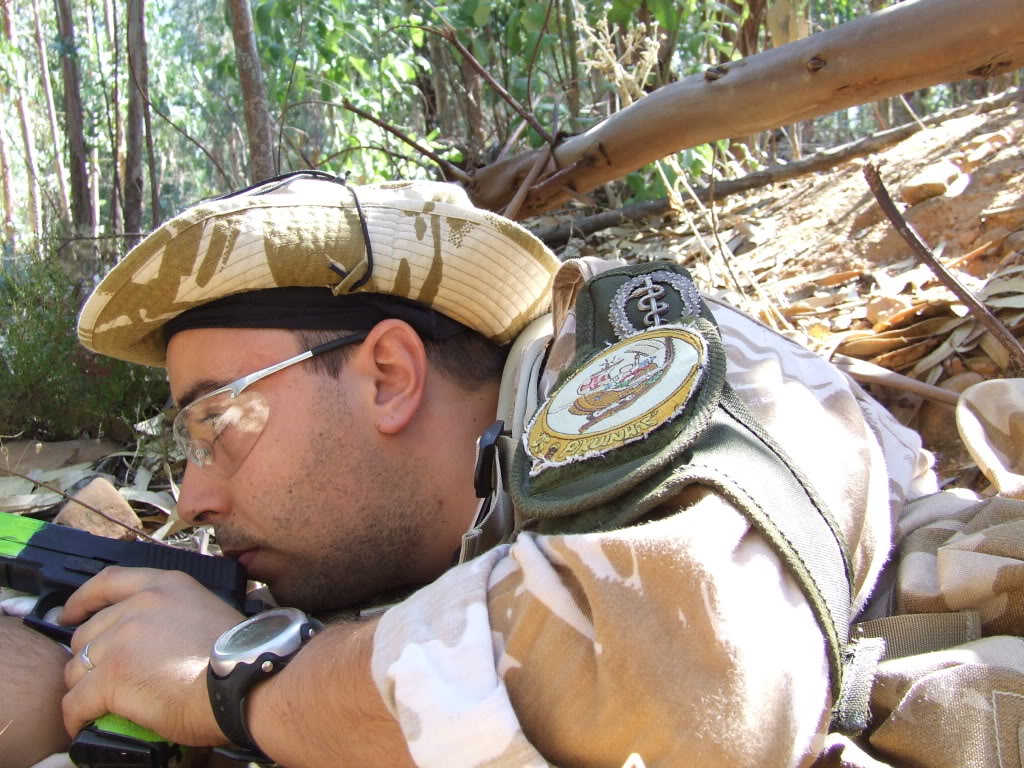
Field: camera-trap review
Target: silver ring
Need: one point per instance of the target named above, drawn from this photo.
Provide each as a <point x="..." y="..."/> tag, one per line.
<point x="86" y="661"/>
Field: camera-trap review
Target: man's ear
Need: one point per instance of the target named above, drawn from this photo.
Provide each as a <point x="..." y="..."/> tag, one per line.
<point x="394" y="358"/>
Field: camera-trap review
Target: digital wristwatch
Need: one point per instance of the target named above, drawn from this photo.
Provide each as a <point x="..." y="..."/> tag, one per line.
<point x="245" y="655"/>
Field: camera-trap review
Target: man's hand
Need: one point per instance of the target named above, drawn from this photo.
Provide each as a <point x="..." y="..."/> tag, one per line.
<point x="149" y="638"/>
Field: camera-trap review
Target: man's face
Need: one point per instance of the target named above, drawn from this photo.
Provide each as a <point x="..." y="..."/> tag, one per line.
<point x="320" y="510"/>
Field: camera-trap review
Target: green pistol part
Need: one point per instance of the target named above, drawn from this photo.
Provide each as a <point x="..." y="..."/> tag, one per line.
<point x="52" y="561"/>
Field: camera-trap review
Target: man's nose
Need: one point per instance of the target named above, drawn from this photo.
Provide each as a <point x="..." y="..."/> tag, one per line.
<point x="201" y="497"/>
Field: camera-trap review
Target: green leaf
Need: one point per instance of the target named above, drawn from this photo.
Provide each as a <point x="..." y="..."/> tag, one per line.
<point x="359" y="65"/>
<point x="482" y="14"/>
<point x="622" y="11"/>
<point x="405" y="70"/>
<point x="666" y="14"/>
<point x="263" y="13"/>
<point x="416" y="35"/>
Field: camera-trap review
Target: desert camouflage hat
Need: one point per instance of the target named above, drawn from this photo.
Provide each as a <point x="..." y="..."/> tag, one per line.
<point x="428" y="243"/>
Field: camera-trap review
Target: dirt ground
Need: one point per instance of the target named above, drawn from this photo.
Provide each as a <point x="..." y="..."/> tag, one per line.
<point x="816" y="258"/>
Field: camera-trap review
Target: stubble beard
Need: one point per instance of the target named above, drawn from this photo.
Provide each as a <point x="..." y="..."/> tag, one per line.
<point x="348" y="555"/>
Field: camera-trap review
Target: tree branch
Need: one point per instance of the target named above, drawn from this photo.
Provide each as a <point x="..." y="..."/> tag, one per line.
<point x="145" y="100"/>
<point x="533" y="56"/>
<point x="288" y="90"/>
<point x="446" y="166"/>
<point x="448" y="33"/>
<point x="918" y="246"/>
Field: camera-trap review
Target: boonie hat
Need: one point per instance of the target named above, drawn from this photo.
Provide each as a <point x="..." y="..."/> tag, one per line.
<point x="428" y="243"/>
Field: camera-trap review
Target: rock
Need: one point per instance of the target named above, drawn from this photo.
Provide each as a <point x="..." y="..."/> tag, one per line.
<point x="981" y="148"/>
<point x="104" y="497"/>
<point x="1013" y="243"/>
<point x="937" y="421"/>
<point x="868" y="217"/>
<point x="934" y="180"/>
<point x="995" y="235"/>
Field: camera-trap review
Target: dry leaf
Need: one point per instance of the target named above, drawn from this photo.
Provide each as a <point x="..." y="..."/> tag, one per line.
<point x="999" y="354"/>
<point x="901" y="358"/>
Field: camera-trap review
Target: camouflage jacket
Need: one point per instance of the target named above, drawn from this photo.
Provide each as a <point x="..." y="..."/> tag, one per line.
<point x="681" y="641"/>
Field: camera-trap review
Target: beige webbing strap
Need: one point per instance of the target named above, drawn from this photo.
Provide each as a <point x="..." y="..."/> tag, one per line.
<point x="913" y="633"/>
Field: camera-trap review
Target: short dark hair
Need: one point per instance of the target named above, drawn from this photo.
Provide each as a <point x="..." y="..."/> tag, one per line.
<point x="467" y="358"/>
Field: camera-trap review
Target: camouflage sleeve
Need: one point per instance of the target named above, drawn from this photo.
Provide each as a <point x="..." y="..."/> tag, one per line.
<point x="679" y="642"/>
<point x="645" y="646"/>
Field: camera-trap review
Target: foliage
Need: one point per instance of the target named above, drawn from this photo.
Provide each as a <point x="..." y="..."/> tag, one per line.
<point x="51" y="387"/>
<point x="389" y="59"/>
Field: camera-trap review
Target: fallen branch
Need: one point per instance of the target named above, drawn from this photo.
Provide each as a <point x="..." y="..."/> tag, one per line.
<point x="823" y="160"/>
<point x="918" y="246"/>
<point x="868" y="373"/>
<point x="866" y="59"/>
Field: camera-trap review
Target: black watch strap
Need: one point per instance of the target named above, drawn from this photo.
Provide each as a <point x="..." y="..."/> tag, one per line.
<point x="228" y="693"/>
<point x="228" y="696"/>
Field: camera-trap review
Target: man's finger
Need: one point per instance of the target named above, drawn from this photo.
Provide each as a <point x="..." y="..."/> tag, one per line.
<point x="82" y="704"/>
<point x="81" y="663"/>
<point x="110" y="586"/>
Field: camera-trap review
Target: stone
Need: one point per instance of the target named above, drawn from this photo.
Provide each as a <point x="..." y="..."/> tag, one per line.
<point x="868" y="217"/>
<point x="932" y="181"/>
<point x="937" y="422"/>
<point x="995" y="235"/>
<point x="1014" y="243"/>
<point x="967" y="237"/>
<point x="982" y="147"/>
<point x="101" y="495"/>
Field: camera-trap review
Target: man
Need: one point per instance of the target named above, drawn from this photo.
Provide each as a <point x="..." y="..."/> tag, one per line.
<point x="657" y="626"/>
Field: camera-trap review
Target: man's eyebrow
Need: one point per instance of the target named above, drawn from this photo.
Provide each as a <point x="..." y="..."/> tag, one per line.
<point x="200" y="388"/>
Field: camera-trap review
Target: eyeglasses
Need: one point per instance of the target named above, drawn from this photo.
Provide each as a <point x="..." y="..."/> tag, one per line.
<point x="217" y="431"/>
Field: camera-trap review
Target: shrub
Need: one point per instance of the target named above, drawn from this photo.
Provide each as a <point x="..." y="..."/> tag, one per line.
<point x="51" y="387"/>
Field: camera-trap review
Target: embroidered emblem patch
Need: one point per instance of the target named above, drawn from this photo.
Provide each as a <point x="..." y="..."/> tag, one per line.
<point x="647" y="291"/>
<point x="620" y="396"/>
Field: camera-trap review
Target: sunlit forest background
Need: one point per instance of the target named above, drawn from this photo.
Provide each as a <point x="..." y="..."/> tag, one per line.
<point x="117" y="114"/>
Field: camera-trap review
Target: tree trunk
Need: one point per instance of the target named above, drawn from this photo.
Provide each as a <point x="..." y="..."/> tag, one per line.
<point x="94" y="152"/>
<point x="870" y="58"/>
<point x="134" y="129"/>
<point x="24" y="118"/>
<point x="82" y="213"/>
<point x="9" y="231"/>
<point x="117" y="139"/>
<point x="51" y="111"/>
<point x="142" y="76"/>
<point x="257" y="111"/>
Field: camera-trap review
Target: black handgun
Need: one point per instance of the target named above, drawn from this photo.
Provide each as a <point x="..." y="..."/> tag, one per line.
<point x="53" y="561"/>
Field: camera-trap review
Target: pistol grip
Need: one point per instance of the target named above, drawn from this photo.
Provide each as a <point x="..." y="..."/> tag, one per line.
<point x="36" y="619"/>
<point x="114" y="741"/>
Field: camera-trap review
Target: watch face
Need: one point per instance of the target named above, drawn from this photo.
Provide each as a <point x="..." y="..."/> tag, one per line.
<point x="278" y="632"/>
<point x="255" y="632"/>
